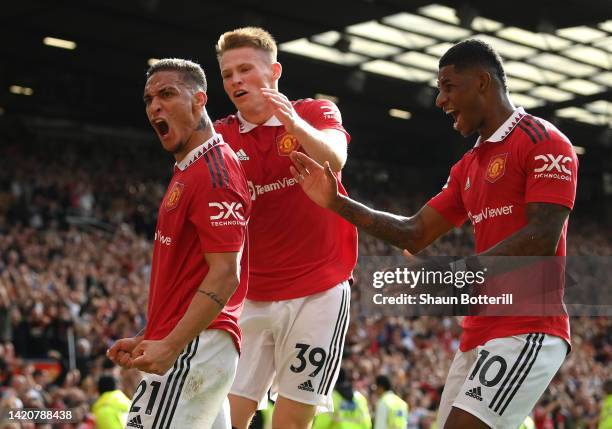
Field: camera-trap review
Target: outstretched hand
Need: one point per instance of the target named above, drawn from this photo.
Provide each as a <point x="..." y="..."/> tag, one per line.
<point x="317" y="181"/>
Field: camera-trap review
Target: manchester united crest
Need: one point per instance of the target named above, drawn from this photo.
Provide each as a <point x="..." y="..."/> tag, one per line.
<point x="286" y="144"/>
<point x="497" y="167"/>
<point x="174" y="196"/>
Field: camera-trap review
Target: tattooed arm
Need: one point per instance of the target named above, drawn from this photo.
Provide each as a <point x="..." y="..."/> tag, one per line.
<point x="216" y="289"/>
<point x="413" y="233"/>
<point x="539" y="237"/>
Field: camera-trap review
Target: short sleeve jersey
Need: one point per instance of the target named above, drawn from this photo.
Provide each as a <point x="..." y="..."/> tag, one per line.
<point x="297" y="248"/>
<point x="206" y="209"/>
<point x="527" y="160"/>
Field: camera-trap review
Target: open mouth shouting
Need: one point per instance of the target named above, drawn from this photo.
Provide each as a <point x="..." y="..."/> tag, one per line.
<point x="455" y="115"/>
<point x="161" y="126"/>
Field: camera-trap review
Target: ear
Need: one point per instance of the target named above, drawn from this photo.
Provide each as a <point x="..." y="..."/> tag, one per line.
<point x="484" y="81"/>
<point x="201" y="98"/>
<point x="277" y="71"/>
<point x="199" y="103"/>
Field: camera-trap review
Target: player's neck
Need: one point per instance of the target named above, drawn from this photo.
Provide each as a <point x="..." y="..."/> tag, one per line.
<point x="495" y="118"/>
<point x="197" y="138"/>
<point x="257" y="117"/>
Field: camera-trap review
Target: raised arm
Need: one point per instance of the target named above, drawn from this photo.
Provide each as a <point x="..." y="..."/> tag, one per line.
<point x="322" y="145"/>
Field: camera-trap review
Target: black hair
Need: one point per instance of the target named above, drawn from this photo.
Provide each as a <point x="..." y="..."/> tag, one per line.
<point x="384" y="382"/>
<point x="107" y="364"/>
<point x="190" y="72"/>
<point x="106" y="383"/>
<point x="474" y="52"/>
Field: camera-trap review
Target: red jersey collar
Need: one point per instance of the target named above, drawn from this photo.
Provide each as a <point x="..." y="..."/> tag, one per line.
<point x="503" y="131"/>
<point x="196" y="153"/>
<point x="246" y="126"/>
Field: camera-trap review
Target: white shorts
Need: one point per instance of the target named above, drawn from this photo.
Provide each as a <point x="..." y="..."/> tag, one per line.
<point x="191" y="394"/>
<point x="293" y="347"/>
<point x="501" y="381"/>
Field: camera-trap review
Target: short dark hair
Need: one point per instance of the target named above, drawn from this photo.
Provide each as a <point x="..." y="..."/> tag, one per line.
<point x="107" y="364"/>
<point x="384" y="382"/>
<point x="190" y="72"/>
<point x="474" y="52"/>
<point x="106" y="383"/>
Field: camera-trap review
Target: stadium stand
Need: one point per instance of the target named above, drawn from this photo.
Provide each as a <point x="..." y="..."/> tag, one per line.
<point x="75" y="242"/>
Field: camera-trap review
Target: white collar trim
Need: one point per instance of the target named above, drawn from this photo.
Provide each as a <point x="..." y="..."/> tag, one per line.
<point x="505" y="129"/>
<point x="196" y="153"/>
<point x="246" y="126"/>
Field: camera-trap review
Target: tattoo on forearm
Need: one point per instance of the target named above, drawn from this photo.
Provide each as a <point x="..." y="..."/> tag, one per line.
<point x="214" y="297"/>
<point x="385" y="226"/>
<point x="539" y="237"/>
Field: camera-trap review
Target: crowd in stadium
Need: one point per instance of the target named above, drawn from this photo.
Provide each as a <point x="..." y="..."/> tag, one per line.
<point x="75" y="245"/>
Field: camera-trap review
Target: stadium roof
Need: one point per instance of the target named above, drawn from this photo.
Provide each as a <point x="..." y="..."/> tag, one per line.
<point x="85" y="61"/>
<point x="544" y="67"/>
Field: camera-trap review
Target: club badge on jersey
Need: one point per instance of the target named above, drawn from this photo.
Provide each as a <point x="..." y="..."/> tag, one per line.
<point x="286" y="144"/>
<point x="496" y="168"/>
<point x="174" y="196"/>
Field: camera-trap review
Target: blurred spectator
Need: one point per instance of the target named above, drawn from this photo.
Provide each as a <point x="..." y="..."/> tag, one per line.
<point x="391" y="410"/>
<point x="351" y="409"/>
<point x="112" y="407"/>
<point x="76" y="222"/>
<point x="605" y="418"/>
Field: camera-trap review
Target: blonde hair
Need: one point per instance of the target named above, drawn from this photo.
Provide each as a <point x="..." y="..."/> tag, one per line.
<point x="253" y="37"/>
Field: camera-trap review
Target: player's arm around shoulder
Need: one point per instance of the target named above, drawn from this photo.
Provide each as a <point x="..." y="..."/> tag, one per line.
<point x="316" y="124"/>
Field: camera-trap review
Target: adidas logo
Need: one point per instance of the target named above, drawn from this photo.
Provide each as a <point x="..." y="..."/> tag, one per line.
<point x="242" y="156"/>
<point x="136" y="422"/>
<point x="307" y="386"/>
<point x="475" y="393"/>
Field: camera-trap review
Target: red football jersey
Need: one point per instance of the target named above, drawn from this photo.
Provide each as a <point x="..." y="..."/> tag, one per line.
<point x="297" y="248"/>
<point x="205" y="210"/>
<point x="526" y="160"/>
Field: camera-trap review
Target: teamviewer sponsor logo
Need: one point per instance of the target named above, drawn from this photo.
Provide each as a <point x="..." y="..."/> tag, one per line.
<point x="489" y="213"/>
<point x="227" y="214"/>
<point x="259" y="190"/>
<point x="553" y="167"/>
<point x="163" y="239"/>
<point x="475" y="393"/>
<point x="136" y="422"/>
<point x="307" y="386"/>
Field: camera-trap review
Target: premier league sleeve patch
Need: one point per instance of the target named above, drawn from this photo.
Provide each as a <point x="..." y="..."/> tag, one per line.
<point x="174" y="196"/>
<point x="286" y="144"/>
<point x="496" y="168"/>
